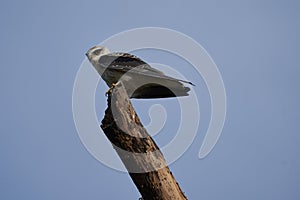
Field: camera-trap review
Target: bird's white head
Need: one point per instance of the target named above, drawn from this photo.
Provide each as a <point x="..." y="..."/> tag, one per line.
<point x="94" y="53"/>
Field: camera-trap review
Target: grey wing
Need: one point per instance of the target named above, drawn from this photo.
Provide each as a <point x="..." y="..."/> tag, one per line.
<point x="124" y="62"/>
<point x="147" y="70"/>
<point x="141" y="80"/>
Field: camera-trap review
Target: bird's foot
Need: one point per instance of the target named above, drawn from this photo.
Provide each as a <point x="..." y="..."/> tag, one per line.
<point x="110" y="89"/>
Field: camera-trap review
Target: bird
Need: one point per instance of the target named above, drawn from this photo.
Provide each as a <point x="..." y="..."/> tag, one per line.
<point x="140" y="80"/>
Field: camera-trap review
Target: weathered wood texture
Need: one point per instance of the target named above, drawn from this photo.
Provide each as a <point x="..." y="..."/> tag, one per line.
<point x="137" y="150"/>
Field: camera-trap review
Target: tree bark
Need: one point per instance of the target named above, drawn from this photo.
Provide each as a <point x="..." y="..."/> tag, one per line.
<point x="137" y="150"/>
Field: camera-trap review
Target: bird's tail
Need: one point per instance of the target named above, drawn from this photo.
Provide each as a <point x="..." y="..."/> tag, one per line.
<point x="151" y="91"/>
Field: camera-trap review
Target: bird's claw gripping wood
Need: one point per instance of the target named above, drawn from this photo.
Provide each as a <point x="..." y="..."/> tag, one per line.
<point x="110" y="89"/>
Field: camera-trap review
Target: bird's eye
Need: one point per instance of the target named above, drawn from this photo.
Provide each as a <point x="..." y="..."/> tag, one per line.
<point x="97" y="52"/>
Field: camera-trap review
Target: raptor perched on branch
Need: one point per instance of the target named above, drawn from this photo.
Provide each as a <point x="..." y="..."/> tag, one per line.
<point x="138" y="77"/>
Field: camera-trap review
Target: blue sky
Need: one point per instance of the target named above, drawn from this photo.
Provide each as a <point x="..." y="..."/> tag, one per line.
<point x="255" y="45"/>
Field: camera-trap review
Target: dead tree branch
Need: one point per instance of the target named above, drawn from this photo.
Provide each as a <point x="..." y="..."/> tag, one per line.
<point x="137" y="150"/>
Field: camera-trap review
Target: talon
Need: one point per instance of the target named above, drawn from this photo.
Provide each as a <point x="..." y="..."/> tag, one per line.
<point x="110" y="89"/>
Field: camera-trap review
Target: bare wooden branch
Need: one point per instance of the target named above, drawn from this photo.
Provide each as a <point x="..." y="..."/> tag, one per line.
<point x="137" y="150"/>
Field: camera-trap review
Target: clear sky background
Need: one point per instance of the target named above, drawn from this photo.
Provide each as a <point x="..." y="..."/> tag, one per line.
<point x="255" y="45"/>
